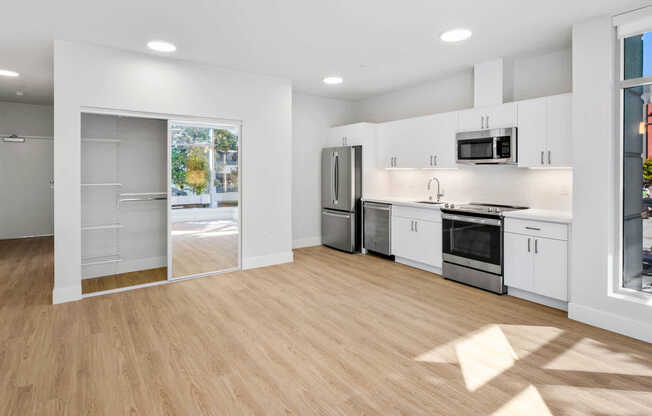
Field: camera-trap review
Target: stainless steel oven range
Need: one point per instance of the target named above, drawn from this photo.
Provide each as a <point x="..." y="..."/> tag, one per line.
<point x="473" y="244"/>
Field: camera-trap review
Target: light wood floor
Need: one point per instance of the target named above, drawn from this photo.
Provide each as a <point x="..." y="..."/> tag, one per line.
<point x="204" y="247"/>
<point x="116" y="281"/>
<point x="331" y="333"/>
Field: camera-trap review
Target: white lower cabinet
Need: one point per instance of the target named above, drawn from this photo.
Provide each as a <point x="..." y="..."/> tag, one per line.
<point x="415" y="238"/>
<point x="536" y="263"/>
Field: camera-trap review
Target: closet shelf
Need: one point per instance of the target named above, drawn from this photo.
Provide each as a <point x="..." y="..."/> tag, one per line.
<point x="109" y="184"/>
<point x="102" y="227"/>
<point x="89" y="140"/>
<point x="91" y="261"/>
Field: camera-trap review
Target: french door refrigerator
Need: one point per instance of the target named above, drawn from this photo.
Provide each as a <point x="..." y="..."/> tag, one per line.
<point x="341" y="190"/>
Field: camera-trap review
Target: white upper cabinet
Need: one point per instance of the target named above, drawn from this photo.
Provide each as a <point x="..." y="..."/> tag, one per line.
<point x="436" y="144"/>
<point x="359" y="134"/>
<point x="491" y="117"/>
<point x="532" y="132"/>
<point x="560" y="152"/>
<point x="544" y="132"/>
<point x="422" y="142"/>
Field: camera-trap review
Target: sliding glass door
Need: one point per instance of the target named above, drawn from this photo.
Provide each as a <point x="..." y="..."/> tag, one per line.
<point x="204" y="199"/>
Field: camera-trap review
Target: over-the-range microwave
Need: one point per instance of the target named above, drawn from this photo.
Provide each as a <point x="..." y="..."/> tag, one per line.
<point x="487" y="147"/>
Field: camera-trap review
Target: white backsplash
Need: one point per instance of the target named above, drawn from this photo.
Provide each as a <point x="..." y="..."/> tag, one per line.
<point x="534" y="188"/>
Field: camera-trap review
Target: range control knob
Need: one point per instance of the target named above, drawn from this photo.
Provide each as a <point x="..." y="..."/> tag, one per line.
<point x="497" y="210"/>
<point x="452" y="205"/>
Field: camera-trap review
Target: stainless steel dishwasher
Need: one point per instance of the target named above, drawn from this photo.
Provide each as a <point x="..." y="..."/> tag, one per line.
<point x="378" y="227"/>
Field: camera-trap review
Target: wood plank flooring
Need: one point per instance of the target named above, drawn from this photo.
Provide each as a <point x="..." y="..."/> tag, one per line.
<point x="330" y="334"/>
<point x="204" y="246"/>
<point x="117" y="281"/>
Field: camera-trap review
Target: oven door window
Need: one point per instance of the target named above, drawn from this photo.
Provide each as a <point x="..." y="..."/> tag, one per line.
<point x="473" y="241"/>
<point x="475" y="149"/>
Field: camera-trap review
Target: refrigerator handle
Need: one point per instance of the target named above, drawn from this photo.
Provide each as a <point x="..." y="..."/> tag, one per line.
<point x="337" y="177"/>
<point x="332" y="178"/>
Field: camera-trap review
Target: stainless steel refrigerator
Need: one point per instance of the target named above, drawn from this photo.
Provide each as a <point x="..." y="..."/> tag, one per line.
<point x="341" y="190"/>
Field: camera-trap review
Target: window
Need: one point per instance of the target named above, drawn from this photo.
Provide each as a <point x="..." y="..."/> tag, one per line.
<point x="636" y="90"/>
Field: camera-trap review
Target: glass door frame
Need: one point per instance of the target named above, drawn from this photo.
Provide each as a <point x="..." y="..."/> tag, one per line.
<point x="170" y="252"/>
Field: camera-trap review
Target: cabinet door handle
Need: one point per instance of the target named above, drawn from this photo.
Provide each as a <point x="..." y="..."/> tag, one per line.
<point x="549" y="162"/>
<point x="482" y="121"/>
<point x="542" y="157"/>
<point x="536" y="246"/>
<point x="487" y="121"/>
<point x="528" y="245"/>
<point x="435" y="160"/>
<point x="416" y="229"/>
<point x="430" y="160"/>
<point x="411" y="225"/>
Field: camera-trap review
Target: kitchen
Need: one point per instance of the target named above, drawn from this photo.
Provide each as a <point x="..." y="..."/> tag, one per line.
<point x="422" y="195"/>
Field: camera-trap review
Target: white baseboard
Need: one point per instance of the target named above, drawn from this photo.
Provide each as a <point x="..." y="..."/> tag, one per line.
<point x="536" y="298"/>
<point x="611" y="322"/>
<point x="268" y="260"/>
<point x="18" y="237"/>
<point x="418" y="265"/>
<point x="306" y="242"/>
<point x="124" y="266"/>
<point x="66" y="294"/>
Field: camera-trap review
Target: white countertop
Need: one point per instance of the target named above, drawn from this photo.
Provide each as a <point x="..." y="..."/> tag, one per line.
<point x="402" y="202"/>
<point x="547" y="215"/>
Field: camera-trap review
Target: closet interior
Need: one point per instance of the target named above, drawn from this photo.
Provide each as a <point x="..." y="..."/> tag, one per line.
<point x="160" y="200"/>
<point x="123" y="194"/>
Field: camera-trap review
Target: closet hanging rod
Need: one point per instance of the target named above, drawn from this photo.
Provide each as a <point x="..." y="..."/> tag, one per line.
<point x="143" y="193"/>
<point x="151" y="198"/>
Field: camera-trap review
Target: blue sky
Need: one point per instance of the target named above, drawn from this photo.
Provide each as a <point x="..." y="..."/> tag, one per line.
<point x="647" y="54"/>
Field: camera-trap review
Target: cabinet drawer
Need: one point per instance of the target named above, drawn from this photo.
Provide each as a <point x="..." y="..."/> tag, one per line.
<point x="537" y="228"/>
<point x="424" y="214"/>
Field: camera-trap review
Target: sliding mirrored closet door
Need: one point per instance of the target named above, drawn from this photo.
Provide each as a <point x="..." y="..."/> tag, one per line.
<point x="203" y="198"/>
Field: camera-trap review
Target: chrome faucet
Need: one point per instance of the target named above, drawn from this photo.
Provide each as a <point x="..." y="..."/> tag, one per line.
<point x="439" y="193"/>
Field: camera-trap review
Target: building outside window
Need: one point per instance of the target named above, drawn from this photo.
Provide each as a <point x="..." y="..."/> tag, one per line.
<point x="636" y="88"/>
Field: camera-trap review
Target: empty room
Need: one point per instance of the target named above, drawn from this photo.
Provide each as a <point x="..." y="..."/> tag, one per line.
<point x="326" y="208"/>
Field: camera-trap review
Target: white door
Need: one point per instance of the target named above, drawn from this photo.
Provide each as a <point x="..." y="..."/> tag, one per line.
<point x="519" y="265"/>
<point x="404" y="239"/>
<point x="550" y="268"/>
<point x="500" y="116"/>
<point x="532" y="132"/>
<point x="203" y="198"/>
<point x="559" y="128"/>
<point x="445" y="149"/>
<point x="472" y="119"/>
<point x="429" y="235"/>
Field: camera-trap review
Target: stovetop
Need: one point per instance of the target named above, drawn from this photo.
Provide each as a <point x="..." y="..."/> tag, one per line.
<point x="481" y="208"/>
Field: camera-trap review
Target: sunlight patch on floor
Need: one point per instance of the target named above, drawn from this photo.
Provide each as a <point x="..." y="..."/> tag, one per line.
<point x="604" y="401"/>
<point x="593" y="356"/>
<point x="527" y="403"/>
<point x="484" y="355"/>
<point x="525" y="339"/>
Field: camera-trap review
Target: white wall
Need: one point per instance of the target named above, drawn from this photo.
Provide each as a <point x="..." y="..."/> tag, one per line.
<point x="312" y="118"/>
<point x="541" y="75"/>
<point x="595" y="253"/>
<point x="543" y="189"/>
<point x="449" y="94"/>
<point x="532" y="76"/>
<point x="25" y="171"/>
<point x="91" y="76"/>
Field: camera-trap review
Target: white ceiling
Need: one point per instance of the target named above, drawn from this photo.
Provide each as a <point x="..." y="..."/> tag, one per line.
<point x="376" y="45"/>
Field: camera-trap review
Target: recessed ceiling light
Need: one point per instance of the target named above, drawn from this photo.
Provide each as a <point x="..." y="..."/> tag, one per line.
<point x="20" y="93"/>
<point x="456" y="35"/>
<point x="7" y="73"/>
<point x="333" y="80"/>
<point x="161" y="46"/>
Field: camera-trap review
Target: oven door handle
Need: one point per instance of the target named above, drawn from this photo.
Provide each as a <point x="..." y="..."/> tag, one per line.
<point x="474" y="220"/>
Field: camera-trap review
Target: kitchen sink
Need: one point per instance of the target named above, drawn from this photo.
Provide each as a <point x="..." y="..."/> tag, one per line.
<point x="429" y="202"/>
